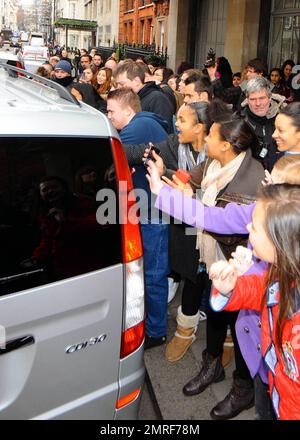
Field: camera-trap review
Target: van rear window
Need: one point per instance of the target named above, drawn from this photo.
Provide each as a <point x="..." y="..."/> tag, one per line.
<point x="48" y="225"/>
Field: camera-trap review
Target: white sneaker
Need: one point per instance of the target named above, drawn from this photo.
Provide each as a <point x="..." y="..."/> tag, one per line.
<point x="173" y="286"/>
<point x="202" y="316"/>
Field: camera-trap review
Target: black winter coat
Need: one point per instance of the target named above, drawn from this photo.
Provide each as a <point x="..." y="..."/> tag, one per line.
<point x="264" y="128"/>
<point x="170" y="95"/>
<point x="230" y="95"/>
<point x="154" y="100"/>
<point x="88" y="93"/>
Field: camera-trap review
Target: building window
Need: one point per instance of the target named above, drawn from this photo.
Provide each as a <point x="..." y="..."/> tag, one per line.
<point x="161" y="36"/>
<point x="108" y="6"/>
<point x="129" y="5"/>
<point x="149" y="37"/>
<point x="151" y="32"/>
<point x="94" y="9"/>
<point x="125" y="32"/>
<point x="108" y="34"/>
<point x="285" y="4"/>
<point x="142" y="39"/>
<point x="72" y="10"/>
<point x="285" y="32"/>
<point x="130" y="32"/>
<point x="100" y="35"/>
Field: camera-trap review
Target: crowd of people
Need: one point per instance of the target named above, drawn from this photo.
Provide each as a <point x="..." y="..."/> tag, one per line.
<point x="236" y="137"/>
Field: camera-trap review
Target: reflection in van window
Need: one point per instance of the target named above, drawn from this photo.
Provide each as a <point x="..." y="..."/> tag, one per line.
<point x="48" y="226"/>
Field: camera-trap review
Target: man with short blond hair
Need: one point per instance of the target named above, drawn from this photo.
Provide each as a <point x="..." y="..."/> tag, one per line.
<point x="137" y="127"/>
<point x="125" y="113"/>
<point x="126" y="97"/>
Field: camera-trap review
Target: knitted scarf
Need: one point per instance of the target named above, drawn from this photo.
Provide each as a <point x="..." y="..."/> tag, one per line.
<point x="186" y="159"/>
<point x="216" y="179"/>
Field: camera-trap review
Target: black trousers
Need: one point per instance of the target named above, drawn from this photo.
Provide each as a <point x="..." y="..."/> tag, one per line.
<point x="195" y="295"/>
<point x="216" y="331"/>
<point x="263" y="404"/>
<point x="216" y="324"/>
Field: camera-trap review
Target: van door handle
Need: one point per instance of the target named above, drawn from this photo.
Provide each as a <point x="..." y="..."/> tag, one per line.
<point x="15" y="344"/>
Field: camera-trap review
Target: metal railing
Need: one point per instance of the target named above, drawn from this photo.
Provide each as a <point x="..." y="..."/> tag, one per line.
<point x="150" y="53"/>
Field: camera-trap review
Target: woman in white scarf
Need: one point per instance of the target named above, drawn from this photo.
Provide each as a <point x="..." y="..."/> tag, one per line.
<point x="232" y="170"/>
<point x="227" y="160"/>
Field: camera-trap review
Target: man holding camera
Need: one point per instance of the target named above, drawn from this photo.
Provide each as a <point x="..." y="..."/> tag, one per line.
<point x="137" y="127"/>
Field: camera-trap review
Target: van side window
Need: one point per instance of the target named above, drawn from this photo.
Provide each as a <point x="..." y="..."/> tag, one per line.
<point x="48" y="225"/>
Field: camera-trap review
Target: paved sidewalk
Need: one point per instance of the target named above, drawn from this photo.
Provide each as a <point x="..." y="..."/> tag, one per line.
<point x="167" y="379"/>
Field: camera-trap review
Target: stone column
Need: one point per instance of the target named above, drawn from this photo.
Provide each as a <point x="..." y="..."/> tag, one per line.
<point x="178" y="21"/>
<point x="241" y="32"/>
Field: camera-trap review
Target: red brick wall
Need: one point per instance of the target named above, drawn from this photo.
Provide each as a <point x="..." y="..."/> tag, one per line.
<point x="134" y="19"/>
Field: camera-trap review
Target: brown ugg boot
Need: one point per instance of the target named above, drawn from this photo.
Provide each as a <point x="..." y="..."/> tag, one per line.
<point x="184" y="336"/>
<point x="228" y="351"/>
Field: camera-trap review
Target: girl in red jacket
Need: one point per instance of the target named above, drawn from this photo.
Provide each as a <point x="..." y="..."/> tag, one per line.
<point x="275" y="237"/>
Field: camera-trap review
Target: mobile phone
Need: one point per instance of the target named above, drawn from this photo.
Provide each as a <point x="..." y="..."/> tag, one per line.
<point x="150" y="155"/>
<point x="183" y="176"/>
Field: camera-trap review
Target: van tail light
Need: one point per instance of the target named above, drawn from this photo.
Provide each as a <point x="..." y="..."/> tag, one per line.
<point x="134" y="325"/>
<point x="134" y="328"/>
<point x="132" y="241"/>
<point x="126" y="400"/>
<point x="19" y="65"/>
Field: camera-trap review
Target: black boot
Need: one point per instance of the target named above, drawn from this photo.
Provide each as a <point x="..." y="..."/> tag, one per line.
<point x="211" y="371"/>
<point x="151" y="342"/>
<point x="239" y="398"/>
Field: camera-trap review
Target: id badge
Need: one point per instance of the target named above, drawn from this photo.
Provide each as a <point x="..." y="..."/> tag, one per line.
<point x="263" y="153"/>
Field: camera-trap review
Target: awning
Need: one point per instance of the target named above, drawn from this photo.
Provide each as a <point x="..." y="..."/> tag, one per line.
<point x="82" y="25"/>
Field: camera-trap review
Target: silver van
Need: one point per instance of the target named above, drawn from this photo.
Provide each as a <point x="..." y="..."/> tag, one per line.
<point x="71" y="284"/>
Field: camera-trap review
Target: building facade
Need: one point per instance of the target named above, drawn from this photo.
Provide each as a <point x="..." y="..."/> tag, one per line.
<point x="104" y="12"/>
<point x="237" y="29"/>
<point x="8" y="14"/>
<point x="108" y="22"/>
<point x="75" y="10"/>
<point x="228" y="26"/>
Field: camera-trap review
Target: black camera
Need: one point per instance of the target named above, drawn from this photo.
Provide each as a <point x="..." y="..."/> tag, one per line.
<point x="150" y="155"/>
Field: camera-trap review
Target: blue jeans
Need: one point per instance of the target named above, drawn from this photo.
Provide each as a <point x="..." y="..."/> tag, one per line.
<point x="156" y="264"/>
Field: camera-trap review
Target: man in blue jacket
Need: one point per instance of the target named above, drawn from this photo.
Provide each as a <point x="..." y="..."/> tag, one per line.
<point x="136" y="127"/>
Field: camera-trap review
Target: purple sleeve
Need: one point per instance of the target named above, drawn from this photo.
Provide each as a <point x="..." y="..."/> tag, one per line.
<point x="232" y="219"/>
